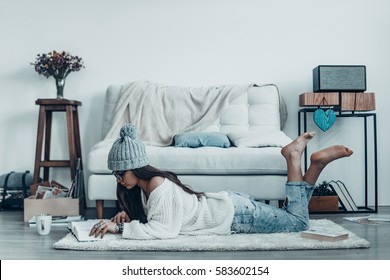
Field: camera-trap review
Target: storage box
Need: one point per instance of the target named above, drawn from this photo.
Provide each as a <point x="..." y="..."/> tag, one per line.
<point x="358" y="101"/>
<point x="324" y="204"/>
<point x="346" y="101"/>
<point x="319" y="99"/>
<point x="64" y="206"/>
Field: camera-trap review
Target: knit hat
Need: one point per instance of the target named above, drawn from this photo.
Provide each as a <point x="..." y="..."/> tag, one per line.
<point x="127" y="153"/>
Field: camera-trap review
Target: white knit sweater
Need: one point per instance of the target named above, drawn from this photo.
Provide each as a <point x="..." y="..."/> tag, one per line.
<point x="171" y="211"/>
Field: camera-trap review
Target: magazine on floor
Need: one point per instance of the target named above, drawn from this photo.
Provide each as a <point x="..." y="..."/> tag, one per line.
<point x="60" y="221"/>
<point x="370" y="220"/>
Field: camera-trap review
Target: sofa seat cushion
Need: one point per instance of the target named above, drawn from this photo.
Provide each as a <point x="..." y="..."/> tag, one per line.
<point x="259" y="139"/>
<point x="212" y="160"/>
<point x="203" y="160"/>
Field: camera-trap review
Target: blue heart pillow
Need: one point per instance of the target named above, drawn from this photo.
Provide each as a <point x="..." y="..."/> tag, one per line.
<point x="324" y="119"/>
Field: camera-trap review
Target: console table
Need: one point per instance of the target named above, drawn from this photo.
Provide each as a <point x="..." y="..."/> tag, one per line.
<point x="343" y="109"/>
<point x="46" y="109"/>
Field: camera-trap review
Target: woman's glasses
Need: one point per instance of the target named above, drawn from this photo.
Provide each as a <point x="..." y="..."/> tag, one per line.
<point x="118" y="174"/>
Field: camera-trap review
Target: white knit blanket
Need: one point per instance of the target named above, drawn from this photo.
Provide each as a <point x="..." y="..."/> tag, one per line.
<point x="159" y="112"/>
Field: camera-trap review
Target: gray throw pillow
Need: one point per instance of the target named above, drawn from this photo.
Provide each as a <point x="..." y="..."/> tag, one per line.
<point x="201" y="139"/>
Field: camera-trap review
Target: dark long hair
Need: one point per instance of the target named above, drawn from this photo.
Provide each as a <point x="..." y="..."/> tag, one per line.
<point x="129" y="200"/>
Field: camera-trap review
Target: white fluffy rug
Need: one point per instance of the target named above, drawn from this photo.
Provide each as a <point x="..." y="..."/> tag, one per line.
<point x="234" y="242"/>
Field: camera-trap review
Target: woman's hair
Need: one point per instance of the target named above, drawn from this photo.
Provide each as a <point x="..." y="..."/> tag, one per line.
<point x="129" y="200"/>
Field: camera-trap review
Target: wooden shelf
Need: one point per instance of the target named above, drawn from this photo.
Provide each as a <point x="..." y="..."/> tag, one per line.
<point x="370" y="151"/>
<point x="345" y="101"/>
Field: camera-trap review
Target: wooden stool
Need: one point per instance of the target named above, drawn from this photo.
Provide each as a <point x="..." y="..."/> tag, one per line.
<point x="46" y="109"/>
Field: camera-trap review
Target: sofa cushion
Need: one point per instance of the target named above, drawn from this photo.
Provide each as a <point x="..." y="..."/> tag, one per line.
<point x="258" y="139"/>
<point x="203" y="160"/>
<point x="201" y="139"/>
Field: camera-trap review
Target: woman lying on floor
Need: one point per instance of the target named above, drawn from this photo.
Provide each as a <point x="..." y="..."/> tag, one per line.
<point x="156" y="205"/>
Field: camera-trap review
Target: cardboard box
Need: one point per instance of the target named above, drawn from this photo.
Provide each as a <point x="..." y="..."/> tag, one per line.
<point x="64" y="206"/>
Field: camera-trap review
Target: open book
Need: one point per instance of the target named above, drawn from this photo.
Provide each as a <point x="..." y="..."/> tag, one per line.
<point x="81" y="230"/>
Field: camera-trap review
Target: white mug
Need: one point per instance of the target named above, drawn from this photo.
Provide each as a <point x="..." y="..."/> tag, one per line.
<point x="43" y="222"/>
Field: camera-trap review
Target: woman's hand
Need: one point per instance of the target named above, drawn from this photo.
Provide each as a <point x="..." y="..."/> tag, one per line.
<point x="121" y="217"/>
<point x="102" y="227"/>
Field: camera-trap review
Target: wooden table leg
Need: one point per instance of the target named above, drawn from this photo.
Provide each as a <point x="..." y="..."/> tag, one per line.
<point x="71" y="141"/>
<point x="46" y="170"/>
<point x="99" y="208"/>
<point x="77" y="135"/>
<point x="38" y="153"/>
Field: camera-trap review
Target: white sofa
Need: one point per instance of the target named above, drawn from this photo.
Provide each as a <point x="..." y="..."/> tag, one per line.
<point x="260" y="172"/>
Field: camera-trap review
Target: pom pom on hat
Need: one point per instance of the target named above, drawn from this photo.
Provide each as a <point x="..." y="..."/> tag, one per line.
<point x="127" y="153"/>
<point x="128" y="130"/>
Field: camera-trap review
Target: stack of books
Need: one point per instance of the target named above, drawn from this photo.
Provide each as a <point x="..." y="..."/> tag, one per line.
<point x="345" y="197"/>
<point x="324" y="235"/>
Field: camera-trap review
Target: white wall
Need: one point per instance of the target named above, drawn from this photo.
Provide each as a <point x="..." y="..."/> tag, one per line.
<point x="189" y="43"/>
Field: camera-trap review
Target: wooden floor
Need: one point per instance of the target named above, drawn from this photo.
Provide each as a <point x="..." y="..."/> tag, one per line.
<point x="20" y="242"/>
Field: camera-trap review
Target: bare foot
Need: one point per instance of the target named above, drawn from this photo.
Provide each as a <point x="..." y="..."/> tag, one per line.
<point x="296" y="147"/>
<point x="325" y="156"/>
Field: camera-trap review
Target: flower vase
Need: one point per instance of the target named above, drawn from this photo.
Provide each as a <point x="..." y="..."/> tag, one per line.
<point x="60" y="83"/>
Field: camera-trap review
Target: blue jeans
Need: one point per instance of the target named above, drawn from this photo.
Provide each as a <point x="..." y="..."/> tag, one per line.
<point x="251" y="216"/>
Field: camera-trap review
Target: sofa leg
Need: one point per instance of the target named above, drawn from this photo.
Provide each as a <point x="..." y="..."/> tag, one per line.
<point x="99" y="208"/>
